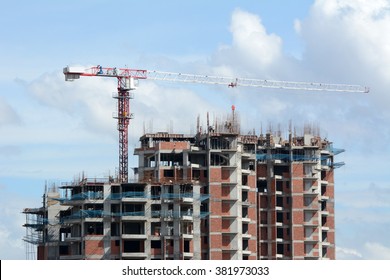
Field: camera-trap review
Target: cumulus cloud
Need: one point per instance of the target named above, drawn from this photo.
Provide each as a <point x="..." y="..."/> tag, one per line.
<point x="252" y="41"/>
<point x="253" y="52"/>
<point x="88" y="100"/>
<point x="351" y="32"/>
<point x="344" y="43"/>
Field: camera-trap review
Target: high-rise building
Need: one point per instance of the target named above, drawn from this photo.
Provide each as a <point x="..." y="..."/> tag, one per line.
<point x="216" y="195"/>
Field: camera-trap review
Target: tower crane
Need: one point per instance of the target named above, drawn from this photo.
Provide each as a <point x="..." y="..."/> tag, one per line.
<point x="127" y="81"/>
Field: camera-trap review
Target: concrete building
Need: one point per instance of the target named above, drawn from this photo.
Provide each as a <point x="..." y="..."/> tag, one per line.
<point x="214" y="195"/>
<point x="295" y="183"/>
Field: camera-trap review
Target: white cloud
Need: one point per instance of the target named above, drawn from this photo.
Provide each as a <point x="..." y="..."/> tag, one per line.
<point x="346" y="38"/>
<point x="376" y="251"/>
<point x="367" y="251"/>
<point x="87" y="99"/>
<point x="253" y="51"/>
<point x="344" y="43"/>
<point x="347" y="254"/>
<point x="251" y="40"/>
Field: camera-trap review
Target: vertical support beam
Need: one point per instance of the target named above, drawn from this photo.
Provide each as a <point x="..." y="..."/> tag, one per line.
<point x="107" y="222"/>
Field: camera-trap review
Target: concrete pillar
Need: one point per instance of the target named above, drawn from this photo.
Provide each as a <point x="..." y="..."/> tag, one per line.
<point x="147" y="225"/>
<point x="177" y="255"/>
<point x="196" y="223"/>
<point x="107" y="222"/>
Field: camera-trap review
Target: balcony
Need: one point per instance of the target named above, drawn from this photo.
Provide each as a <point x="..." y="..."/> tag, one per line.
<point x="188" y="255"/>
<point x="134" y="236"/>
<point x="324" y="212"/>
<point x="279" y="208"/>
<point x="137" y="255"/>
<point x="134" y="197"/>
<point x="278" y="192"/>
<point x="246" y="252"/>
<point x="325" y="168"/>
<point x="189" y="200"/>
<point x="188" y="236"/>
<point x="324" y="197"/>
<point x="246" y="171"/>
<point x="133" y="216"/>
<point x="246" y="235"/>
<point x="195" y="165"/>
<point x="186" y="217"/>
<point x="89" y="196"/>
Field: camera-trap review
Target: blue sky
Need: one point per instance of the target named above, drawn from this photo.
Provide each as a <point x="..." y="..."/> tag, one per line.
<point x="52" y="130"/>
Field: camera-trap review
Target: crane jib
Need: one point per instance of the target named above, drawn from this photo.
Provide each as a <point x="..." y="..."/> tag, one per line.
<point x="72" y="73"/>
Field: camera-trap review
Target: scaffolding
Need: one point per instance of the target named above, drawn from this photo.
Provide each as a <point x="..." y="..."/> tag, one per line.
<point x="34" y="225"/>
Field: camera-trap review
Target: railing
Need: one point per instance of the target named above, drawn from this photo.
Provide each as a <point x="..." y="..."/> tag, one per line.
<point x="286" y="157"/>
<point x="132" y="194"/>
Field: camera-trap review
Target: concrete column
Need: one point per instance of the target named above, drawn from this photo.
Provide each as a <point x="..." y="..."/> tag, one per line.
<point x="177" y="255"/>
<point x="147" y="225"/>
<point x="196" y="223"/>
<point x="107" y="222"/>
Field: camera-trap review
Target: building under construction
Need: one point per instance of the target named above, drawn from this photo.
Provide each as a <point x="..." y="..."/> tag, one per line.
<point x="216" y="194"/>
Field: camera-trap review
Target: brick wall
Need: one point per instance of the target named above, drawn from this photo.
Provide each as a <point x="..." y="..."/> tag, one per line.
<point x="94" y="247"/>
<point x="174" y="145"/>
